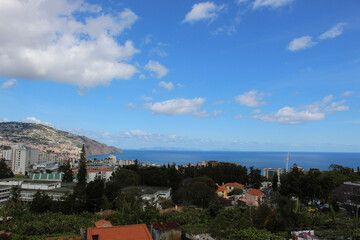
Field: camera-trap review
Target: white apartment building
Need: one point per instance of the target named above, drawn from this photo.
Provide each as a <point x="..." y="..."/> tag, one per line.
<point x="270" y="172"/>
<point x="6" y="154"/>
<point x="23" y="158"/>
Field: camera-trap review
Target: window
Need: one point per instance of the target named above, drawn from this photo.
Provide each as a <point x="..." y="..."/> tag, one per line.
<point x="95" y="237"/>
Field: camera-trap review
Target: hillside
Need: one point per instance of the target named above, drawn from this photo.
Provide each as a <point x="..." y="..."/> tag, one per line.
<point x="46" y="138"/>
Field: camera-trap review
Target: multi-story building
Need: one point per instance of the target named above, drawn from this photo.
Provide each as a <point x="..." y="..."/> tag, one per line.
<point x="270" y="172"/>
<point x="23" y="158"/>
<point x="28" y="188"/>
<point x="6" y="154"/>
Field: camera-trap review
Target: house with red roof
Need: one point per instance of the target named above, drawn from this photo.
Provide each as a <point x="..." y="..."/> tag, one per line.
<point x="222" y="191"/>
<point x="105" y="231"/>
<point x="254" y="197"/>
<point x="166" y="231"/>
<point x="231" y="186"/>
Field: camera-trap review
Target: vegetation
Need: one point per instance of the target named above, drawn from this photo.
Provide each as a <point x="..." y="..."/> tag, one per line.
<point x="5" y="171"/>
<point x="293" y="207"/>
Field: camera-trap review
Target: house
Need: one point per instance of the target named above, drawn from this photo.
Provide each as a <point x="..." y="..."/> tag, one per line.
<point x="166" y="231"/>
<point x="234" y="185"/>
<point x="105" y="213"/>
<point x="254" y="197"/>
<point x="105" y="231"/>
<point x="28" y="188"/>
<point x="222" y="191"/>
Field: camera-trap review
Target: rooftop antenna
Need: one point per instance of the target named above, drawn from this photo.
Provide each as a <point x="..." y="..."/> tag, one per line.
<point x="287" y="162"/>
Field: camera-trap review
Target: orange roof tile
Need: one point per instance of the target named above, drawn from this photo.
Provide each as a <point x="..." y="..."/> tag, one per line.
<point x="234" y="184"/>
<point x="105" y="170"/>
<point x="255" y="192"/>
<point x="221" y="188"/>
<point x="103" y="223"/>
<point x="128" y="232"/>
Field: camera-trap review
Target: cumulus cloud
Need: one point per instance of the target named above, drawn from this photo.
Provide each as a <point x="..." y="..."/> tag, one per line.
<point x="238" y="116"/>
<point x="5" y="120"/>
<point x="348" y="93"/>
<point x="251" y="99"/>
<point x="203" y="11"/>
<point x="146" y="98"/>
<point x="301" y="43"/>
<point x="155" y="67"/>
<point x="9" y="83"/>
<point x="270" y="3"/>
<point x="181" y="106"/>
<point x="30" y="120"/>
<point x="335" y="31"/>
<point x="168" y="85"/>
<point x="313" y="112"/>
<point x="44" y="40"/>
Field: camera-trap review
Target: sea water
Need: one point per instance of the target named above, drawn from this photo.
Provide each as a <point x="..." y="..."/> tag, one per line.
<point x="307" y="160"/>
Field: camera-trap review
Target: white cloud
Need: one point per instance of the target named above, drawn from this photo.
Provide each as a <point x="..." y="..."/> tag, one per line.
<point x="168" y="85"/>
<point x="9" y="83"/>
<point x="142" y="77"/>
<point x="301" y="43"/>
<point x="217" y="113"/>
<point x="146" y="98"/>
<point x="43" y="40"/>
<point x="179" y="85"/>
<point x="157" y="68"/>
<point x="30" y="120"/>
<point x="240" y="1"/>
<point x="5" y="120"/>
<point x="313" y="112"/>
<point x="131" y="105"/>
<point x="271" y="3"/>
<point x="336" y="107"/>
<point x="138" y="133"/>
<point x="228" y="29"/>
<point x="238" y="116"/>
<point x="348" y="93"/>
<point x="256" y="111"/>
<point x="250" y="99"/>
<point x="203" y="11"/>
<point x="180" y="106"/>
<point x="335" y="31"/>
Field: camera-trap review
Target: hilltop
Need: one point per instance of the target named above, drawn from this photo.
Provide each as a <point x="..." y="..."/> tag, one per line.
<point x="46" y="138"/>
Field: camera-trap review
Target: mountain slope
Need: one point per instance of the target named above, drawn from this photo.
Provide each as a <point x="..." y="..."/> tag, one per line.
<point x="46" y="138"/>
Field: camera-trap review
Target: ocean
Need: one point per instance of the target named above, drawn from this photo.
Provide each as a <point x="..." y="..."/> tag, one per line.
<point x="307" y="160"/>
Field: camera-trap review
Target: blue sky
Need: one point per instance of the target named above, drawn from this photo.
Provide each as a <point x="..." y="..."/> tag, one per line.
<point x="247" y="75"/>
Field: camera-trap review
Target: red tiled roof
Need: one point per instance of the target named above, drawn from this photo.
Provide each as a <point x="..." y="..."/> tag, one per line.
<point x="255" y="192"/>
<point x="104" y="170"/>
<point x="234" y="184"/>
<point x="128" y="232"/>
<point x="161" y="226"/>
<point x="105" y="213"/>
<point x="103" y="223"/>
<point x="221" y="188"/>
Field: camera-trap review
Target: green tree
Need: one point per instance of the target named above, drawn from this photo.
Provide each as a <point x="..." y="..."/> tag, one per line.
<point x="82" y="167"/>
<point x="255" y="177"/>
<point x="68" y="173"/>
<point x="94" y="195"/>
<point x="5" y="171"/>
<point x="41" y="203"/>
<point x="274" y="182"/>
